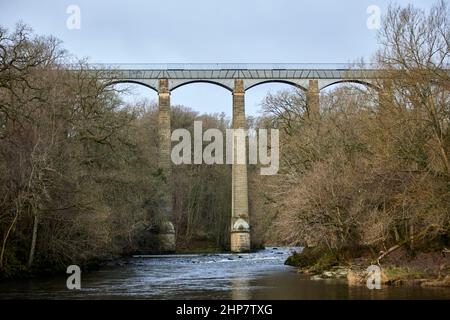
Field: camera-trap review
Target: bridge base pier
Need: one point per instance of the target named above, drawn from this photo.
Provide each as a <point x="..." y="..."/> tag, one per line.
<point x="166" y="238"/>
<point x="240" y="241"/>
<point x="240" y="228"/>
<point x="166" y="234"/>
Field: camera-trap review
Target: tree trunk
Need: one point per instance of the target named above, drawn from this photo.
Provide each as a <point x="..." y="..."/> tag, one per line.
<point x="409" y="239"/>
<point x="5" y="238"/>
<point x="33" y="240"/>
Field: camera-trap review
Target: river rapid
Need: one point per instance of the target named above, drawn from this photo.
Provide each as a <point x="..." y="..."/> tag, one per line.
<point x="257" y="275"/>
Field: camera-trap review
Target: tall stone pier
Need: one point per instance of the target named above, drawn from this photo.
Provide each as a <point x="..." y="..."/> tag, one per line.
<point x="240" y="229"/>
<point x="166" y="230"/>
<point x="313" y="98"/>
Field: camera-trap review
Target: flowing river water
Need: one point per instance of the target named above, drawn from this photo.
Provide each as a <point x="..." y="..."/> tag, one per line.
<point x="258" y="275"/>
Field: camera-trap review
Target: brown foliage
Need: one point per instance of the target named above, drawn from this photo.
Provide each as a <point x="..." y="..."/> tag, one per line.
<point x="373" y="170"/>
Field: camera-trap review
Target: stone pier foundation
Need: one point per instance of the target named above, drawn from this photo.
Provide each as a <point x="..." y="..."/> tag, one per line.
<point x="166" y="233"/>
<point x="240" y="229"/>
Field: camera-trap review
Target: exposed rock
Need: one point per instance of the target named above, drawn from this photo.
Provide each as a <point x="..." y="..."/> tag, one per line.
<point x="356" y="277"/>
<point x="414" y="282"/>
<point x="437" y="283"/>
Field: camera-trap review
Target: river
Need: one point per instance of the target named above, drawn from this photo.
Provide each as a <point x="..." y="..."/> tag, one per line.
<point x="258" y="275"/>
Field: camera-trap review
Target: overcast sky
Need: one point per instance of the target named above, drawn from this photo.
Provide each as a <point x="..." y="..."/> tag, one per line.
<point x="232" y="31"/>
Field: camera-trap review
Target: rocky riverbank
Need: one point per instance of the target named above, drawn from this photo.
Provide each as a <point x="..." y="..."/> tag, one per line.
<point x="428" y="269"/>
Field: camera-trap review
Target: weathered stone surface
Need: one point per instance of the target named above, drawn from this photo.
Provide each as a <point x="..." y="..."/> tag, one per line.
<point x="166" y="237"/>
<point x="166" y="234"/>
<point x="164" y="130"/>
<point x="240" y="241"/>
<point x="313" y="98"/>
<point x="240" y="230"/>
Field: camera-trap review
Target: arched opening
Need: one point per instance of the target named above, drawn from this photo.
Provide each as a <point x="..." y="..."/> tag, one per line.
<point x="278" y="81"/>
<point x="204" y="97"/>
<point x="203" y="81"/>
<point x="135" y="94"/>
<point x="120" y="82"/>
<point x="361" y="82"/>
<point x="201" y="191"/>
<point x="348" y="94"/>
<point x="256" y="95"/>
<point x="128" y="172"/>
<point x="264" y="104"/>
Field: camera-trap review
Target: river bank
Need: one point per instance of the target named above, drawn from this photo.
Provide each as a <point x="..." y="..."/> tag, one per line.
<point x="400" y="268"/>
<point x="257" y="275"/>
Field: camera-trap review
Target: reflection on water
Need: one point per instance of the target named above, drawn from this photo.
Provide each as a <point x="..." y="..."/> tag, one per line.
<point x="240" y="289"/>
<point x="259" y="275"/>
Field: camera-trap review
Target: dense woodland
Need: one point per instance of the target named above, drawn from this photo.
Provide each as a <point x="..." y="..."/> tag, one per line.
<point x="372" y="170"/>
<point x="79" y="179"/>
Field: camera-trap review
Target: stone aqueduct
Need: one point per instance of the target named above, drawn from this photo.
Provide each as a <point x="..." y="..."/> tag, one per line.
<point x="237" y="79"/>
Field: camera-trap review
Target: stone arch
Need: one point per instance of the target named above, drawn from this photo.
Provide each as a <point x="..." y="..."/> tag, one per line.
<point x="202" y="81"/>
<point x="296" y="85"/>
<point x="132" y="82"/>
<point x="362" y="82"/>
